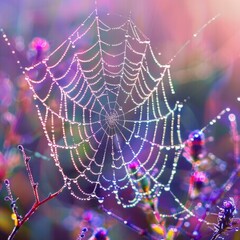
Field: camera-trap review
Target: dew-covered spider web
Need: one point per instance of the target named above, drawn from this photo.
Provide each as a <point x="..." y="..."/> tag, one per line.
<point x="106" y="104"/>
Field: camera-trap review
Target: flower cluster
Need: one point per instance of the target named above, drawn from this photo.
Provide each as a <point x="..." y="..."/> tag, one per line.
<point x="225" y="218"/>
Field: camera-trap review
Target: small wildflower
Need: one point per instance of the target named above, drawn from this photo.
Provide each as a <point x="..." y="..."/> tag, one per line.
<point x="39" y="48"/>
<point x="196" y="144"/>
<point x="100" y="234"/>
<point x="39" y="44"/>
<point x="197" y="182"/>
<point x="225" y="218"/>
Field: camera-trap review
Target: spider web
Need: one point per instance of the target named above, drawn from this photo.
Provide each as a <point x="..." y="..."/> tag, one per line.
<point x="105" y="102"/>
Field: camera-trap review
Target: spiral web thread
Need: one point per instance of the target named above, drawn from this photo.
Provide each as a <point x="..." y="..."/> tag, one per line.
<point x="104" y="102"/>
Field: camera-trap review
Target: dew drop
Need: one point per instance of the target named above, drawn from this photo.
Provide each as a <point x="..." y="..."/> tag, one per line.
<point x="167" y="188"/>
<point x="7" y="182"/>
<point x="20" y="147"/>
<point x="195" y="233"/>
<point x="186" y="224"/>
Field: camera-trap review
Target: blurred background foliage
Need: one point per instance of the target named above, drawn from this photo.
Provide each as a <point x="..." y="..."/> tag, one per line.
<point x="206" y="73"/>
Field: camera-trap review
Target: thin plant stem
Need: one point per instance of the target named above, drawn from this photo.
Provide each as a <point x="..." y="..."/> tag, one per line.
<point x="19" y="221"/>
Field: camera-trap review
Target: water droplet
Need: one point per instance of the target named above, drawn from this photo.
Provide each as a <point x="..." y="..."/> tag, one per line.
<point x="167" y="188"/>
<point x="186" y="224"/>
<point x="195" y="233"/>
<point x="6" y="181"/>
<point x="101" y="200"/>
<point x="20" y="147"/>
<point x="180" y="105"/>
